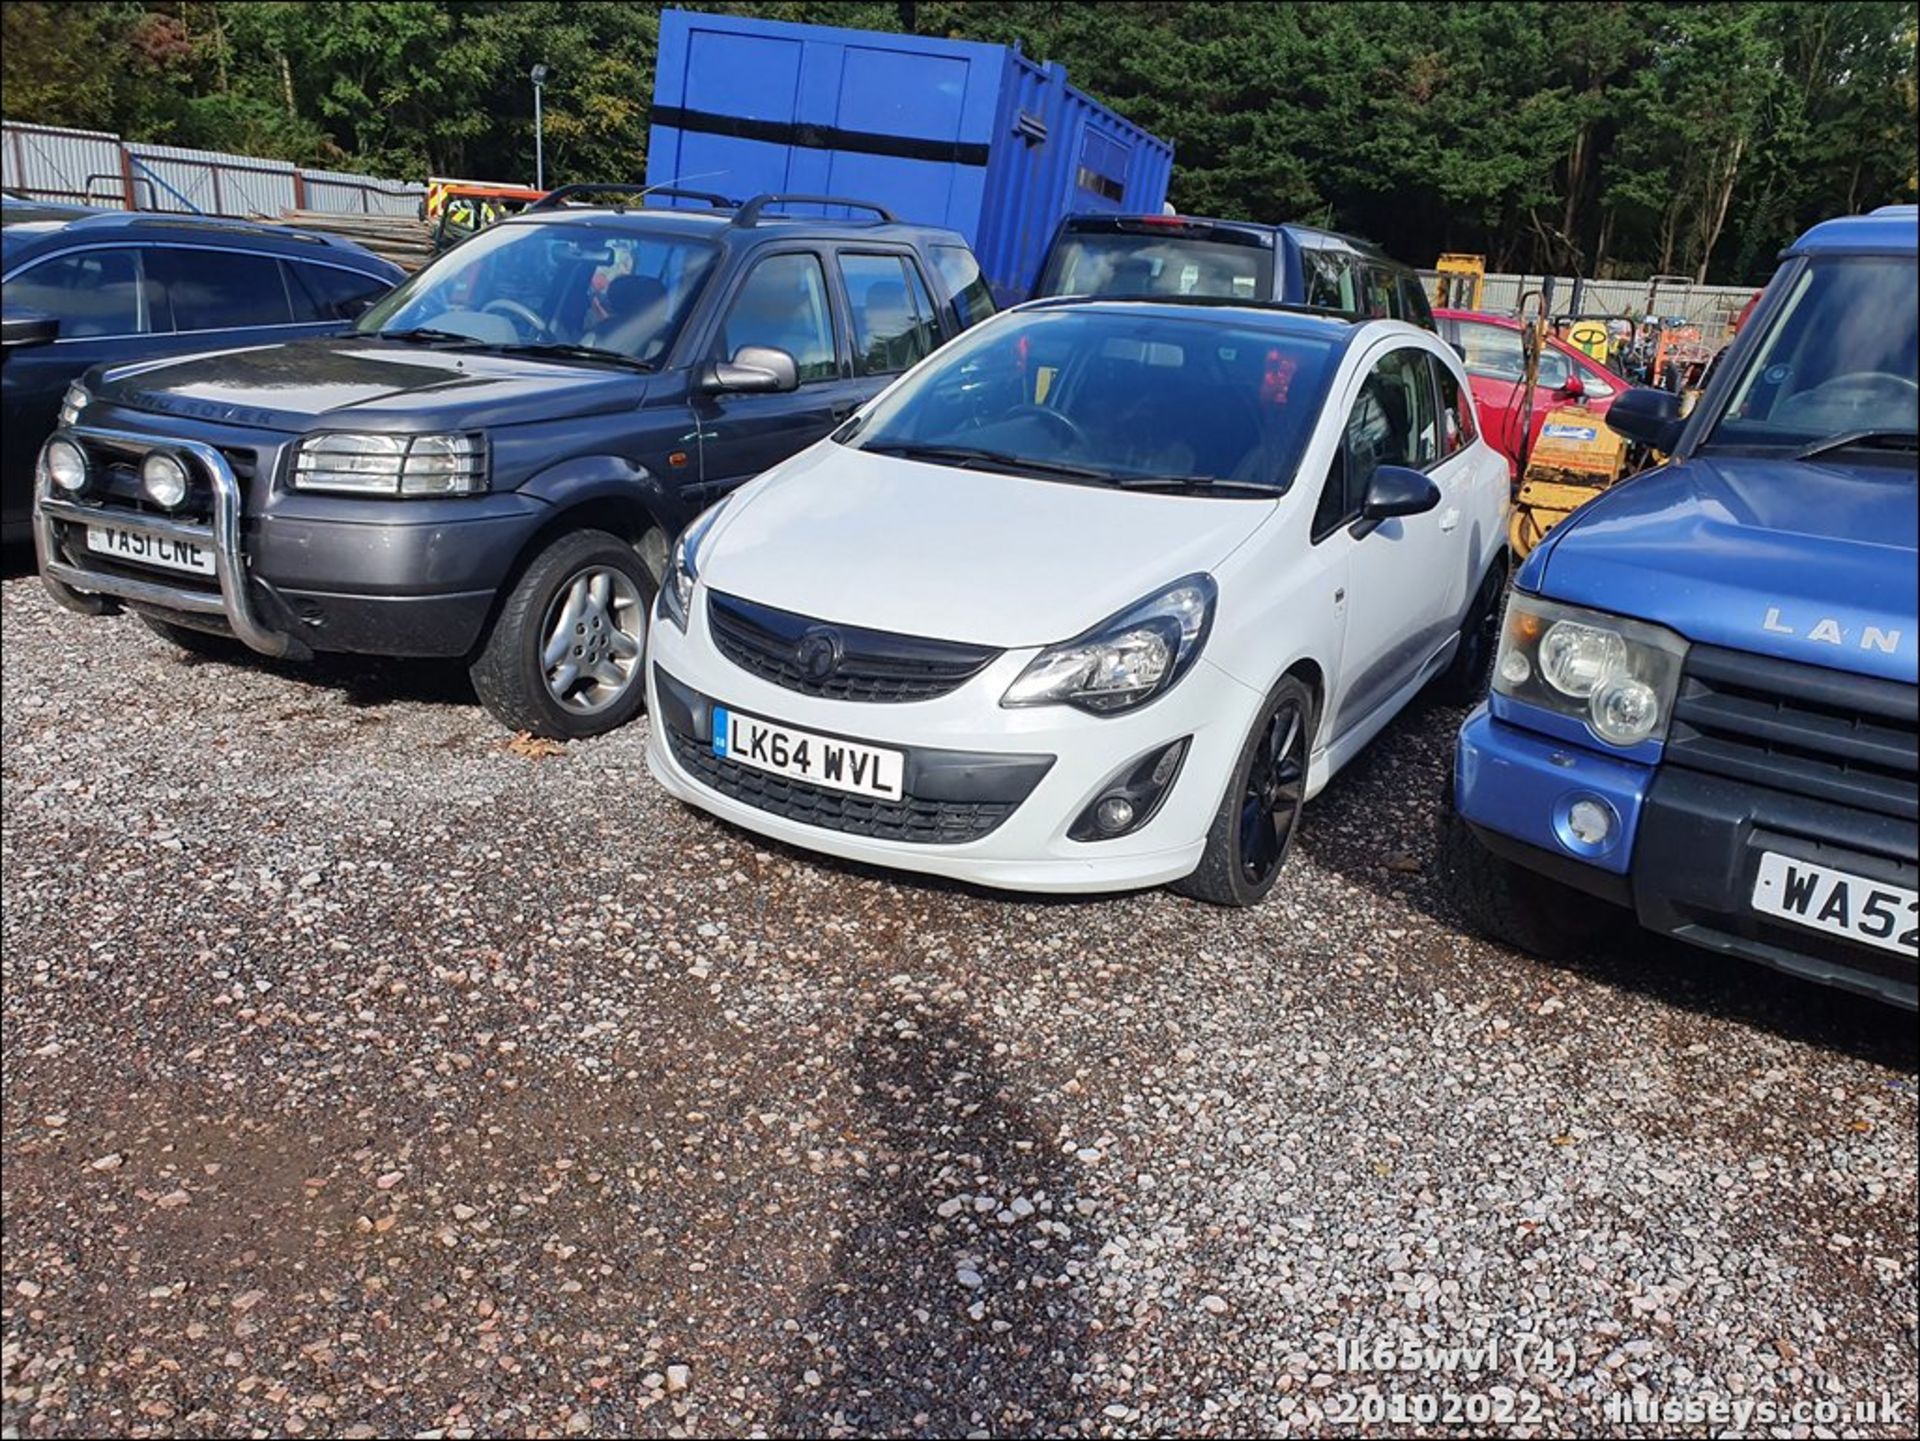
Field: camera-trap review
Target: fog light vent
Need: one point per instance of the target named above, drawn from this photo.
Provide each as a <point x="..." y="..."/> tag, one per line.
<point x="1127" y="800"/>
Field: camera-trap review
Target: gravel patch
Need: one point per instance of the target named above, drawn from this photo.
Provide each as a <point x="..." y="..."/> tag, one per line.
<point x="366" y="1075"/>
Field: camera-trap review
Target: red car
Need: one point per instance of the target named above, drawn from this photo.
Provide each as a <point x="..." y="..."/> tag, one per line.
<point x="1491" y="345"/>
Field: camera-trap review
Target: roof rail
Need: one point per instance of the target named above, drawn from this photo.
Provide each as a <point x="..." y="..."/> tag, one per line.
<point x="554" y="199"/>
<point x="748" y="215"/>
<point x="1220" y="302"/>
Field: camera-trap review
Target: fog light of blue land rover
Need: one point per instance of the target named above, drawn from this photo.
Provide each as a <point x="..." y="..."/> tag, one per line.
<point x="164" y="479"/>
<point x="1586" y="824"/>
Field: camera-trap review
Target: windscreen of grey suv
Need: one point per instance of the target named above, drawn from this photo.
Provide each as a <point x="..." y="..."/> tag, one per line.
<point x="617" y="290"/>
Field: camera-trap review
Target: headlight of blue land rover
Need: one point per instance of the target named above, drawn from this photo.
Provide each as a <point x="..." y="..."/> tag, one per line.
<point x="1619" y="676"/>
<point x="683" y="567"/>
<point x="398" y="465"/>
<point x="1126" y="660"/>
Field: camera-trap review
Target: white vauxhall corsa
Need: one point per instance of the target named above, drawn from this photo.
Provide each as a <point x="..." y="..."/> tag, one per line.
<point x="1096" y="597"/>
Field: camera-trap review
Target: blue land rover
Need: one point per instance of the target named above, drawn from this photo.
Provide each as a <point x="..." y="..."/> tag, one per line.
<point x="1704" y="701"/>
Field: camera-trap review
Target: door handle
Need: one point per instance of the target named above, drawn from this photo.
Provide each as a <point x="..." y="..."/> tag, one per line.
<point x="1449" y="518"/>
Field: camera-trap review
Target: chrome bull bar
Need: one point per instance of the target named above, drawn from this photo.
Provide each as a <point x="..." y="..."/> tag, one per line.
<point x="79" y="588"/>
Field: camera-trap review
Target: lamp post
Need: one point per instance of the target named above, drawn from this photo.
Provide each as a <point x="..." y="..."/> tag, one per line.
<point x="539" y="77"/>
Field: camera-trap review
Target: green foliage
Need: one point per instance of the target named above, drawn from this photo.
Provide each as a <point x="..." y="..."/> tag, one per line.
<point x="1610" y="136"/>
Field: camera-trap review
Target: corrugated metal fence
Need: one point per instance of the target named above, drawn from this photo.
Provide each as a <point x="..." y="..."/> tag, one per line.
<point x="1714" y="307"/>
<point x="94" y="167"/>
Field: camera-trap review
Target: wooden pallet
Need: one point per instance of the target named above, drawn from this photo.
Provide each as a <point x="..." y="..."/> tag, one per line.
<point x="400" y="238"/>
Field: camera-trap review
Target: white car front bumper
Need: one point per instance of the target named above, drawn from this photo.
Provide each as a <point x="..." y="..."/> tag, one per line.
<point x="1027" y="850"/>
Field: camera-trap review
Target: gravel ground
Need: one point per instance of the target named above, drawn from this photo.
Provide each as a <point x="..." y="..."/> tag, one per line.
<point x="366" y="1075"/>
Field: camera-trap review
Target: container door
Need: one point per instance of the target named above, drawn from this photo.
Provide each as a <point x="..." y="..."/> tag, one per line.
<point x="784" y="301"/>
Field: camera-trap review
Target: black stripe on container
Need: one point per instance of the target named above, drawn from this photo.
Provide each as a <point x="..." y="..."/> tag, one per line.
<point x="820" y="137"/>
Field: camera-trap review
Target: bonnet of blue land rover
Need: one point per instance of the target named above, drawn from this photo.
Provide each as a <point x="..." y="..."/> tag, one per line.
<point x="540" y="319"/>
<point x="1786" y="525"/>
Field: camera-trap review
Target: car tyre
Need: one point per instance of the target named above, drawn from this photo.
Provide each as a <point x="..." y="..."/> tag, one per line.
<point x="1517" y="907"/>
<point x="1253" y="831"/>
<point x="565" y="657"/>
<point x="1464" y="681"/>
<point x="202" y="643"/>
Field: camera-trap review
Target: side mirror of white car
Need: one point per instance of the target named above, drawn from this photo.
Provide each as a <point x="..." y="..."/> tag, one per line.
<point x="1394" y="490"/>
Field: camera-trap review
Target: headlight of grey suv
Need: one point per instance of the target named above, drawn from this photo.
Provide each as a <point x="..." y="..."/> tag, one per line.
<point x="1620" y="676"/>
<point x="683" y="567"/>
<point x="1126" y="660"/>
<point x="402" y="465"/>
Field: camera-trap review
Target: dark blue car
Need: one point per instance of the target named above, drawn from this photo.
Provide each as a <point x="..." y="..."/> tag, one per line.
<point x="1704" y="701"/>
<point x="492" y="462"/>
<point x="85" y="287"/>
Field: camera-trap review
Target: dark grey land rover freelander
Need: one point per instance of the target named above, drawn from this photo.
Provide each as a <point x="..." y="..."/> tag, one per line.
<point x="492" y="463"/>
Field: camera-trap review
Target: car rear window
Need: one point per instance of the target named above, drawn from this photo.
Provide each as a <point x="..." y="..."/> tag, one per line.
<point x="1127" y="264"/>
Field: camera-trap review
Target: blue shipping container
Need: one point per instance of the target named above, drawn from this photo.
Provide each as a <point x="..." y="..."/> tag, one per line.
<point x="941" y="132"/>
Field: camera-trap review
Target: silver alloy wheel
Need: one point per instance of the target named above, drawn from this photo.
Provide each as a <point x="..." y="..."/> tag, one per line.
<point x="595" y="638"/>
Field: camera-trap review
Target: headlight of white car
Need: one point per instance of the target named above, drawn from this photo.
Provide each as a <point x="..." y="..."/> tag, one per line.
<point x="1126" y="660"/>
<point x="401" y="465"/>
<point x="1620" y="676"/>
<point x="683" y="567"/>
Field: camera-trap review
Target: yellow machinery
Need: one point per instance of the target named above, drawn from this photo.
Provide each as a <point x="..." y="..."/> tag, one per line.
<point x="1458" y="282"/>
<point x="1589" y="335"/>
<point x="457" y="208"/>
<point x="1575" y="456"/>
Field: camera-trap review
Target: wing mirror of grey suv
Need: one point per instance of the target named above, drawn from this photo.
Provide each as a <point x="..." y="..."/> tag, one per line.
<point x="1395" y="490"/>
<point x="754" y="370"/>
<point x="1648" y="417"/>
<point x="19" y="328"/>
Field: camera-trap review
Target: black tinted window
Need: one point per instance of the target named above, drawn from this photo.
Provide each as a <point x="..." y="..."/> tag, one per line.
<point x="90" y="292"/>
<point x="221" y="289"/>
<point x="324" y="292"/>
<point x="972" y="301"/>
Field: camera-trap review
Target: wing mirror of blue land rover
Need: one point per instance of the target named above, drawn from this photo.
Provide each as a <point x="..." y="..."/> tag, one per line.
<point x="1649" y="417"/>
<point x="20" y="328"/>
<point x="754" y="370"/>
<point x="1394" y="490"/>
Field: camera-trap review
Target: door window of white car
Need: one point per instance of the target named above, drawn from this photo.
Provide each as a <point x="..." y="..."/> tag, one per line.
<point x="1392" y="423"/>
<point x="90" y="292"/>
<point x="784" y="305"/>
